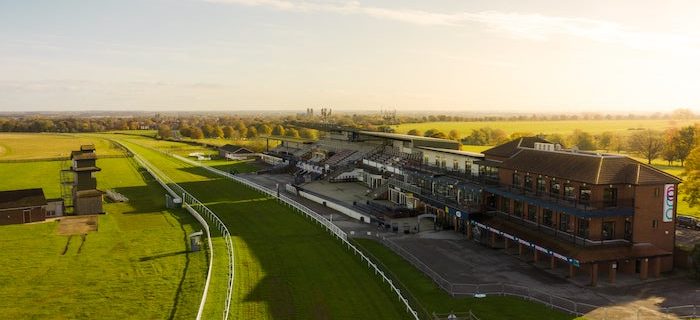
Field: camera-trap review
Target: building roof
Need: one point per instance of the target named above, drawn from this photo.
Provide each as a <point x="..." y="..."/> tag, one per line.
<point x="508" y="149"/>
<point x="89" y="193"/>
<point x="587" y="167"/>
<point x="234" y="149"/>
<point x="404" y="137"/>
<point x="22" y="198"/>
<point x="87" y="147"/>
<point x="457" y="152"/>
<point x="82" y="155"/>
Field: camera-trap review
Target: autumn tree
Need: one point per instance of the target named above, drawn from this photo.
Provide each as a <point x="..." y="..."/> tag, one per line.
<point x="454" y="134"/>
<point x="196" y="133"/>
<point x="292" y="132"/>
<point x="278" y="130"/>
<point x="685" y="142"/>
<point x="581" y="139"/>
<point x="414" y="132"/>
<point x="252" y="132"/>
<point x="648" y="144"/>
<point x="228" y="132"/>
<point x="164" y="131"/>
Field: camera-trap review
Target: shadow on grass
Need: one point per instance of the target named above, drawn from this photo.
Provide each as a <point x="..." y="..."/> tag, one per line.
<point x="164" y="255"/>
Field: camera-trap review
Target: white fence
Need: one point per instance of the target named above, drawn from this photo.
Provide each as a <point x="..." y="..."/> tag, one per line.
<point x="196" y="209"/>
<point x="333" y="229"/>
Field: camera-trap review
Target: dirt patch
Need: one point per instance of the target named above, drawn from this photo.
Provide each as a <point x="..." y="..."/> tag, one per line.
<point x="77" y="225"/>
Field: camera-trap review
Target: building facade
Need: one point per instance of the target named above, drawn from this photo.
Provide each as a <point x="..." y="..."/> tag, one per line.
<point x="22" y="206"/>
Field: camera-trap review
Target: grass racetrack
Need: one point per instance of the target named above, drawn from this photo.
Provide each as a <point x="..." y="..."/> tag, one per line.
<point x="286" y="266"/>
<point x="135" y="266"/>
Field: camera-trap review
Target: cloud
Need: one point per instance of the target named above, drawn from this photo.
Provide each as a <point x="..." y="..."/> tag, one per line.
<point x="520" y="25"/>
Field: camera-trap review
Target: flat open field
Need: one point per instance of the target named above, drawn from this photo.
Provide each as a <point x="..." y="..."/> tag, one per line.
<point x="32" y="146"/>
<point x="434" y="299"/>
<point x="286" y="266"/>
<point x="135" y="266"/>
<point x="563" y="127"/>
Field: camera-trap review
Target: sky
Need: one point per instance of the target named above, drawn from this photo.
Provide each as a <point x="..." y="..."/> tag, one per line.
<point x="537" y="56"/>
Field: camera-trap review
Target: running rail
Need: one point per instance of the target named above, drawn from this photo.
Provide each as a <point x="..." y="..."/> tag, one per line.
<point x="333" y="229"/>
<point x="192" y="204"/>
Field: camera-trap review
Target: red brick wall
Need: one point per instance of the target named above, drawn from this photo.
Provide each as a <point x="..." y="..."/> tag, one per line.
<point x="649" y="207"/>
<point x="16" y="216"/>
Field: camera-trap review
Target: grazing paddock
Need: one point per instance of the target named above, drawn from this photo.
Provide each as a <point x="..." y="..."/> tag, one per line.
<point x="131" y="263"/>
<point x="286" y="266"/>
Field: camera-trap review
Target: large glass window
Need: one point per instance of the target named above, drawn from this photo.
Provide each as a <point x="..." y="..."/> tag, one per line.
<point x="608" y="230"/>
<point x="584" y="194"/>
<point x="569" y="191"/>
<point x="518" y="208"/>
<point x="505" y="205"/>
<point x="532" y="212"/>
<point x="516" y="180"/>
<point x="554" y="188"/>
<point x="547" y="217"/>
<point x="583" y="228"/>
<point x="528" y="183"/>
<point x="564" y="222"/>
<point x="610" y="197"/>
<point x="540" y="185"/>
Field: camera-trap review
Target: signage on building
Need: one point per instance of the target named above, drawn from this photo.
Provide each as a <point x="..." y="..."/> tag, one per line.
<point x="669" y="197"/>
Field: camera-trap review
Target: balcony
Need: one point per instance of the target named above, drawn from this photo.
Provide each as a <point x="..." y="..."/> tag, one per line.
<point x="568" y="204"/>
<point x="567" y="235"/>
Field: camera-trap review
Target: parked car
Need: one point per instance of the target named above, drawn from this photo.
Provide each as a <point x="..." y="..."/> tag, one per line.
<point x="688" y="222"/>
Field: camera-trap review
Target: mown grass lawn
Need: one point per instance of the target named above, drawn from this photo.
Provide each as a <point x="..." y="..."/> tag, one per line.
<point x="26" y="146"/>
<point x="286" y="266"/>
<point x="136" y="266"/>
<point x="435" y="300"/>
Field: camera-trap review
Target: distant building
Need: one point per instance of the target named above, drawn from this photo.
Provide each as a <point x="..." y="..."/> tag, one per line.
<point x="22" y="206"/>
<point x="230" y="151"/>
<point x="86" y="199"/>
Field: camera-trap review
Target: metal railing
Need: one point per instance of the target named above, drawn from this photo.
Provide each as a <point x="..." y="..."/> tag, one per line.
<point x="196" y="209"/>
<point x="527" y="293"/>
<point x="309" y="213"/>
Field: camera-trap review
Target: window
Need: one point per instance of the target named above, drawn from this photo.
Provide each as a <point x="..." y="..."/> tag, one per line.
<point x="528" y="183"/>
<point x="584" y="194"/>
<point x="540" y="185"/>
<point x="516" y="180"/>
<point x="547" y="217"/>
<point x="654" y="223"/>
<point x="564" y="222"/>
<point x="518" y="208"/>
<point x="657" y="191"/>
<point x="608" y="230"/>
<point x="505" y="205"/>
<point x="444" y="164"/>
<point x="426" y="160"/>
<point x="569" y="191"/>
<point x="532" y="212"/>
<point x="554" y="189"/>
<point x="610" y="197"/>
<point x="455" y="164"/>
<point x="583" y="228"/>
<point x="437" y="162"/>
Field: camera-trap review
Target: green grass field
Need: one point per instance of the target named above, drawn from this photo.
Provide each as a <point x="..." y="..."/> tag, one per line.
<point x="433" y="299"/>
<point x="31" y="146"/>
<point x="286" y="266"/>
<point x="136" y="266"/>
<point x="563" y="127"/>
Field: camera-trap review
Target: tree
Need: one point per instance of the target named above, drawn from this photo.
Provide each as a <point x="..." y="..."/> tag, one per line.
<point x="308" y="133"/>
<point x="618" y="142"/>
<point x="435" y="133"/>
<point x="186" y="131"/>
<point x="207" y="130"/>
<point x="265" y="129"/>
<point x="218" y="132"/>
<point x="292" y="132"/>
<point x="454" y="134"/>
<point x="691" y="185"/>
<point x="228" y="132"/>
<point x="604" y="140"/>
<point x="252" y="132"/>
<point x="278" y="130"/>
<point x="685" y="142"/>
<point x="414" y="132"/>
<point x="164" y="131"/>
<point x="581" y="139"/>
<point x="196" y="133"/>
<point x="648" y="144"/>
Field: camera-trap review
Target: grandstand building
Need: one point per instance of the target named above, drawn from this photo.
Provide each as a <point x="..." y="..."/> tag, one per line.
<point x="592" y="213"/>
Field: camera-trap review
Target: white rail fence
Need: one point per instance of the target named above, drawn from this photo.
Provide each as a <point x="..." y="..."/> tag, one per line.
<point x="197" y="209"/>
<point x="333" y="229"/>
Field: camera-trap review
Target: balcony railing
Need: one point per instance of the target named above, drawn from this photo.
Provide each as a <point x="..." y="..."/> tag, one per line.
<point x="568" y="200"/>
<point x="568" y="235"/>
